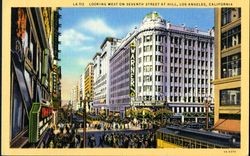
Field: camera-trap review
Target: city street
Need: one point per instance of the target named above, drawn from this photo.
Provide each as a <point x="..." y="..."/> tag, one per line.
<point x="88" y="82"/>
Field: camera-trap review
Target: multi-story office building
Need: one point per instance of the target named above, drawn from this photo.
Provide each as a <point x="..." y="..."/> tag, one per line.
<point x="75" y="97"/>
<point x="167" y="64"/>
<point x="81" y="89"/>
<point x="101" y="73"/>
<point x="32" y="58"/>
<point x="227" y="83"/>
<point x="88" y="83"/>
<point x="120" y="76"/>
<point x="56" y="72"/>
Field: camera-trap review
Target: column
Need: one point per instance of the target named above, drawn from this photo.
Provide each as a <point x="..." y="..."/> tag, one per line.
<point x="177" y="109"/>
<point x="195" y="109"/>
<point x="182" y="109"/>
<point x="168" y="66"/>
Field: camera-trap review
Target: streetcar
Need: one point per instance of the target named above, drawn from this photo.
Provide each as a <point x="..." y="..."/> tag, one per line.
<point x="180" y="137"/>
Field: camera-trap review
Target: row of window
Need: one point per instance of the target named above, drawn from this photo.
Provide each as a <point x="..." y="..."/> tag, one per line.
<point x="160" y="78"/>
<point x="119" y="70"/>
<point x="231" y="37"/>
<point x="174" y="89"/>
<point x="191" y="52"/>
<point x="159" y="68"/>
<point x="172" y="98"/>
<point x="175" y="40"/>
<point x="120" y="101"/>
<point x="119" y="93"/>
<point x="115" y="88"/>
<point x="190" y="61"/>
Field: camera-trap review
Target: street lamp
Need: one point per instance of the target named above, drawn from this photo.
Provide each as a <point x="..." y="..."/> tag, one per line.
<point x="86" y="99"/>
<point x="207" y="102"/>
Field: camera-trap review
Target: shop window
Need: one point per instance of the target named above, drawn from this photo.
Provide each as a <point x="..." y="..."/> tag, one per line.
<point x="231" y="37"/>
<point x="230" y="97"/>
<point x="231" y="65"/>
<point x="19" y="118"/>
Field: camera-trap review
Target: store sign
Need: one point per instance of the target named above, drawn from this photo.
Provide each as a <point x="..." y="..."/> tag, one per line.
<point x="40" y="118"/>
<point x="132" y="69"/>
<point x="46" y="111"/>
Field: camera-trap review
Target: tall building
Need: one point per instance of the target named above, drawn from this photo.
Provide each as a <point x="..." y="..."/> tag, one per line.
<point x="166" y="63"/>
<point x="56" y="68"/>
<point x="227" y="83"/>
<point x="120" y="72"/>
<point x="32" y="59"/>
<point x="88" y="83"/>
<point x="101" y="74"/>
<point x="81" y="89"/>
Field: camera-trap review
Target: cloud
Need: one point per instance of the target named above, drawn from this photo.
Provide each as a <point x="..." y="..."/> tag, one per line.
<point x="85" y="48"/>
<point x="72" y="37"/>
<point x="98" y="26"/>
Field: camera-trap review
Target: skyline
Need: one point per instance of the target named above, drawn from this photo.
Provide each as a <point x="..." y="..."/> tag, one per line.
<point x="81" y="37"/>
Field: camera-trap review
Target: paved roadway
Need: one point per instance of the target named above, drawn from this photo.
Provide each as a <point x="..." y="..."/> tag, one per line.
<point x="98" y="133"/>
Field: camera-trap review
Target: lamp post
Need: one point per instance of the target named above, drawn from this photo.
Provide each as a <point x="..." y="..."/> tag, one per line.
<point x="86" y="99"/>
<point x="207" y="102"/>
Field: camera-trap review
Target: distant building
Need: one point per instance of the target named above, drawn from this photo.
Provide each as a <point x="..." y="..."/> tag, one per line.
<point x="74" y="97"/>
<point x="88" y="83"/>
<point x="81" y="89"/>
<point x="227" y="83"/>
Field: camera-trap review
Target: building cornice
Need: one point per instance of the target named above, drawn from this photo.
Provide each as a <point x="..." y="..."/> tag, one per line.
<point x="226" y="80"/>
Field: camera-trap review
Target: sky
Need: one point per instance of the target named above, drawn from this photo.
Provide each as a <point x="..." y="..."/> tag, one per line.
<point x="84" y="29"/>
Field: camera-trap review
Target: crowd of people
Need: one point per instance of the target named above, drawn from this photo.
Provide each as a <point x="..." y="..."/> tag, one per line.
<point x="121" y="140"/>
<point x="67" y="137"/>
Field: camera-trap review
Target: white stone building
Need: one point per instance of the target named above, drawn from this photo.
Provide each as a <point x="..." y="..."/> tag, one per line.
<point x="101" y="74"/>
<point x="173" y="65"/>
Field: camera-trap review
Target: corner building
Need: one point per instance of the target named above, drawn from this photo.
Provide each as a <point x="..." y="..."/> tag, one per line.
<point x="173" y="65"/>
<point x="227" y="81"/>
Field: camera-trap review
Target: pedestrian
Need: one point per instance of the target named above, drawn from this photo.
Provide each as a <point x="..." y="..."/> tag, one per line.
<point x="101" y="140"/>
<point x="92" y="141"/>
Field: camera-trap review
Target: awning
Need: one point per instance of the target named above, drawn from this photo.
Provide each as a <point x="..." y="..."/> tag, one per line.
<point x="227" y="125"/>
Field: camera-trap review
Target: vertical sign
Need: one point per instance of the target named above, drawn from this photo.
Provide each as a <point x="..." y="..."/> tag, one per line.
<point x="132" y="69"/>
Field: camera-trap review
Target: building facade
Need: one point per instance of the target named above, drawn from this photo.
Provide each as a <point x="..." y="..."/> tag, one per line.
<point x="32" y="60"/>
<point x="173" y="65"/>
<point x="120" y="77"/>
<point x="227" y="83"/>
<point x="102" y="73"/>
<point x="81" y="89"/>
<point x="75" y="97"/>
<point x="88" y="83"/>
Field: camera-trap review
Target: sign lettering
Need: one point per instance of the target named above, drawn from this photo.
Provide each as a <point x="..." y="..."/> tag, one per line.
<point x="132" y="69"/>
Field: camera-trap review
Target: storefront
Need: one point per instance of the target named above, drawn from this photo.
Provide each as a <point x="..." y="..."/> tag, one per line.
<point x="31" y="64"/>
<point x="41" y="118"/>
